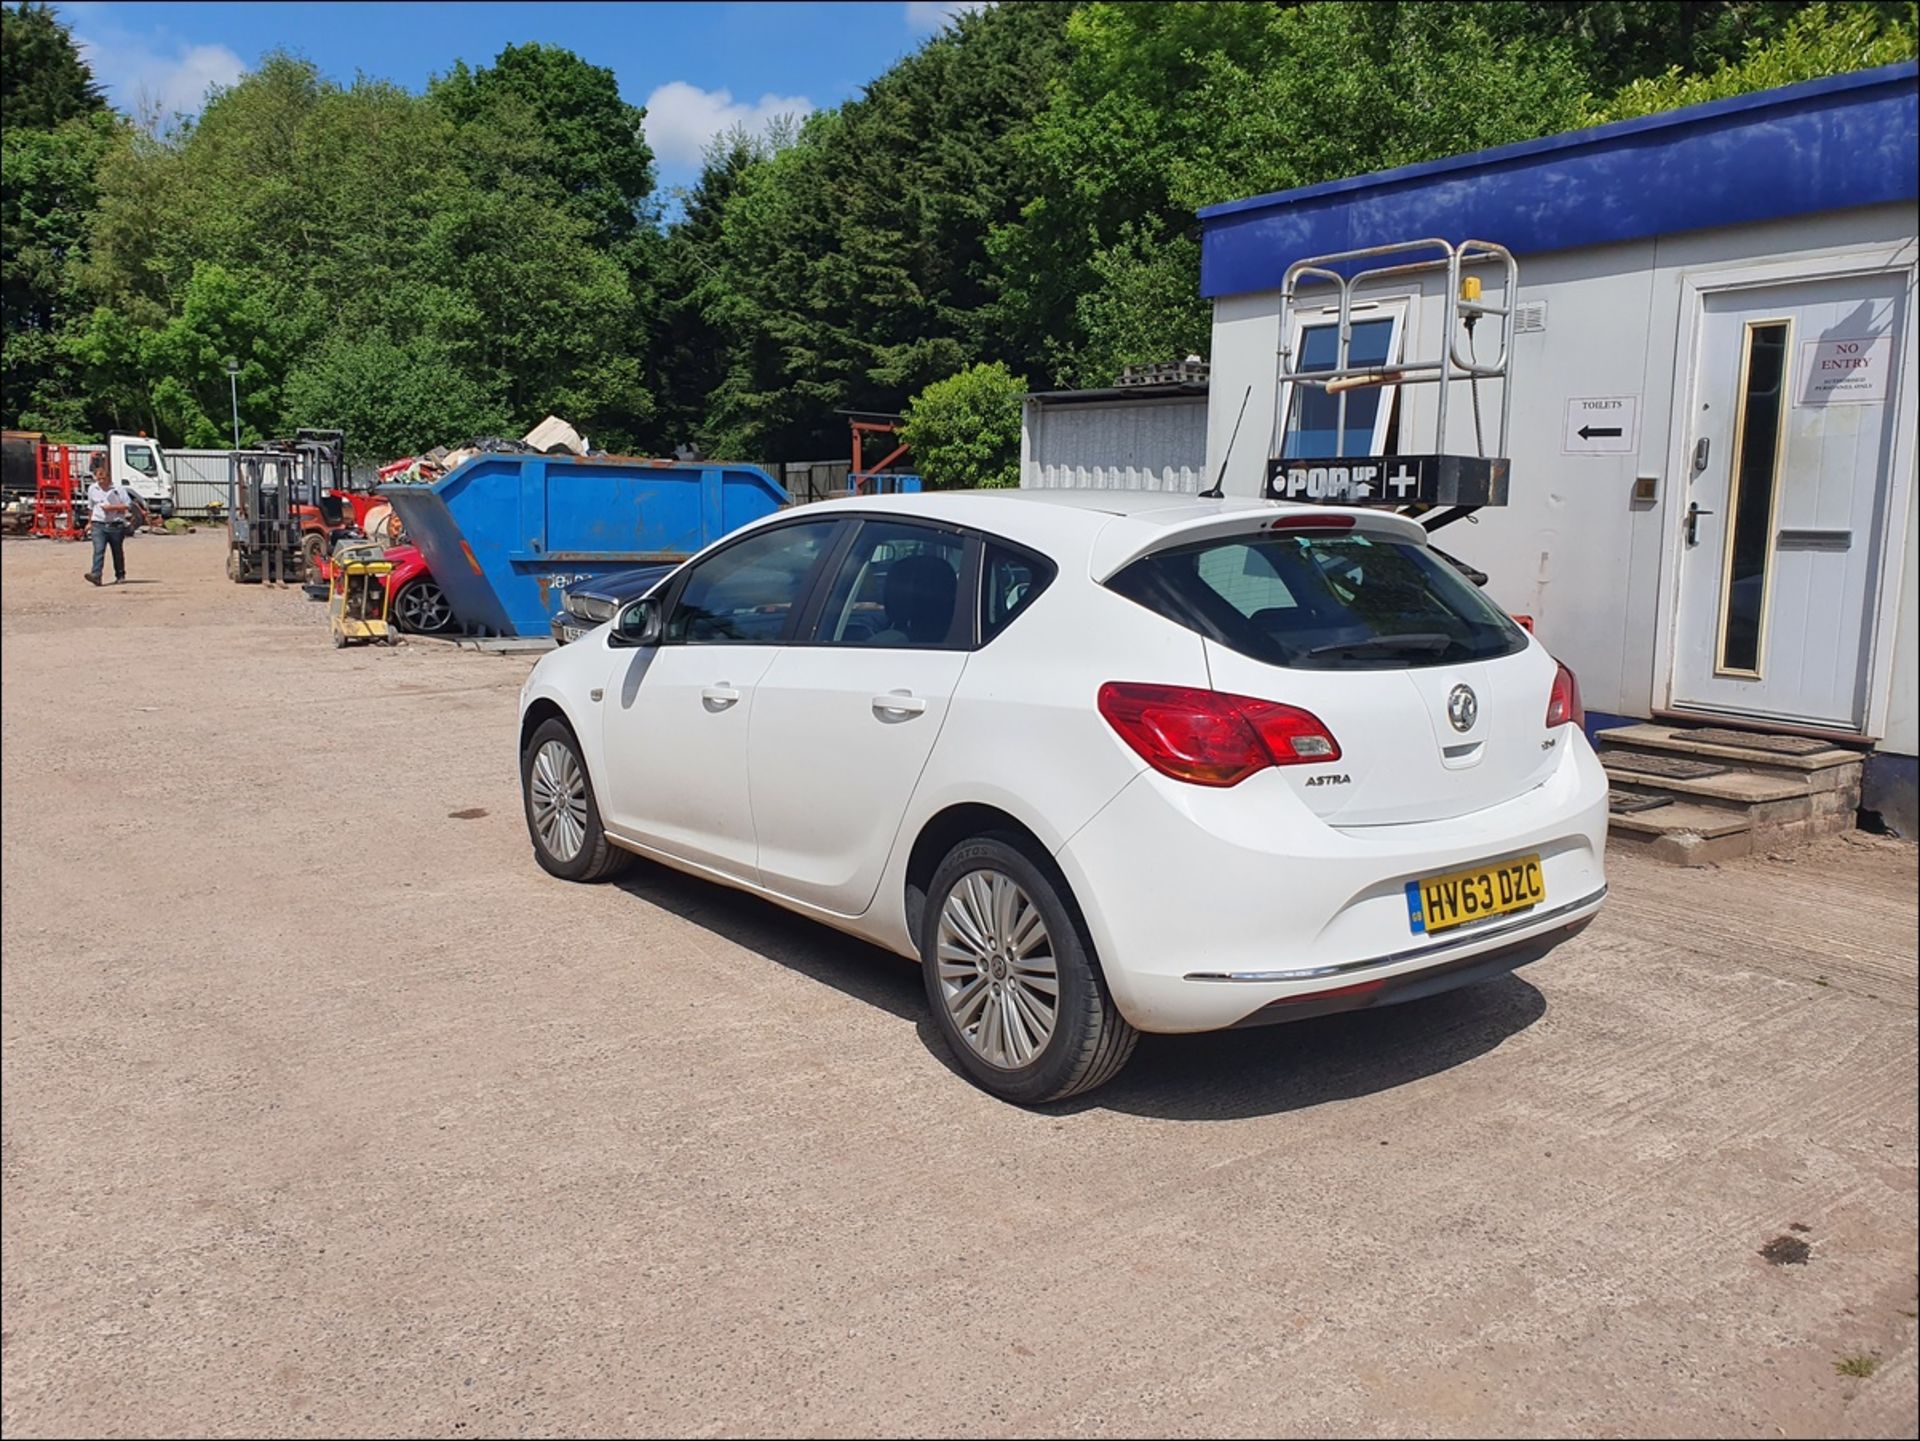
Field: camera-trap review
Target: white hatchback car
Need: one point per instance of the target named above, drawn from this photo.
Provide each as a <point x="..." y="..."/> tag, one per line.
<point x="1104" y="762"/>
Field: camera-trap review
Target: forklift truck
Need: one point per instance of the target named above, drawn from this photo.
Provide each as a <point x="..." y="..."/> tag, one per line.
<point x="285" y="512"/>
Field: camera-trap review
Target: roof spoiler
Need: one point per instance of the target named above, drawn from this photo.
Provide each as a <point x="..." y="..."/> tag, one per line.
<point x="1126" y="538"/>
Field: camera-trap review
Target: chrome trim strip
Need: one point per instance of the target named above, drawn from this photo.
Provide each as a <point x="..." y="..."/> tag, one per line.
<point x="1419" y="953"/>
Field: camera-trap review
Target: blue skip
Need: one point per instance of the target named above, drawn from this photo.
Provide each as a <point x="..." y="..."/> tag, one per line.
<point x="504" y="534"/>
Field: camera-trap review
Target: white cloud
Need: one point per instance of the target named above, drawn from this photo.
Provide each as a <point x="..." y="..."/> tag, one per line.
<point x="934" y="14"/>
<point x="153" y="75"/>
<point x="682" y="118"/>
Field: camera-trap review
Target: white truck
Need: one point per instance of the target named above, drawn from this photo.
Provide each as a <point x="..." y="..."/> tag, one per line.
<point x="140" y="465"/>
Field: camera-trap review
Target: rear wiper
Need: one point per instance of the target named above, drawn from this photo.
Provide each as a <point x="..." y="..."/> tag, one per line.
<point x="1419" y="642"/>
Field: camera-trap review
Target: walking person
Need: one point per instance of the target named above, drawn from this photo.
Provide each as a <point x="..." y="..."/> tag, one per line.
<point x="110" y="506"/>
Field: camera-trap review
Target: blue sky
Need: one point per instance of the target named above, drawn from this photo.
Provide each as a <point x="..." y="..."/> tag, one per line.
<point x="698" y="68"/>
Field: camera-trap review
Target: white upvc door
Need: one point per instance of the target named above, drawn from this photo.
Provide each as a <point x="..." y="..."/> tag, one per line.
<point x="1795" y="394"/>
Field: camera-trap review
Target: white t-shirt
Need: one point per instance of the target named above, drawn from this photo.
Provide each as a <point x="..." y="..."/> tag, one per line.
<point x="101" y="496"/>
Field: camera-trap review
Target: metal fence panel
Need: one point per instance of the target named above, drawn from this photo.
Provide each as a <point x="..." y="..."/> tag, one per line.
<point x="811" y="480"/>
<point x="1146" y="444"/>
<point x="199" y="481"/>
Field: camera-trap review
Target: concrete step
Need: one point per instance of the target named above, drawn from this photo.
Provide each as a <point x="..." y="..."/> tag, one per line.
<point x="1730" y="794"/>
<point x="1827" y="767"/>
<point x="1708" y="821"/>
<point x="1683" y="834"/>
<point x="1732" y="787"/>
<point x="1771" y="803"/>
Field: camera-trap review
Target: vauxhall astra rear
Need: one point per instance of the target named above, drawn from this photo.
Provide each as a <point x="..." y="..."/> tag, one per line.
<point x="1103" y="762"/>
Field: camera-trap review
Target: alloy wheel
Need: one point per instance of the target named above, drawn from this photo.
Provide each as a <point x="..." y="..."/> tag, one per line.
<point x="422" y="607"/>
<point x="559" y="789"/>
<point x="998" y="976"/>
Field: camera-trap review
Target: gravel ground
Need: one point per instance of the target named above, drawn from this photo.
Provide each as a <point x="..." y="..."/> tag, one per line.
<point x="327" y="1113"/>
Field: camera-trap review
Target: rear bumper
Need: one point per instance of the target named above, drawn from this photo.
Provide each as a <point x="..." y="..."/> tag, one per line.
<point x="1207" y="907"/>
<point x="1357" y="992"/>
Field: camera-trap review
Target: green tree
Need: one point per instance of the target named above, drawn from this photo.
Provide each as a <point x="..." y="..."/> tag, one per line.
<point x="391" y="398"/>
<point x="43" y="80"/>
<point x="57" y="129"/>
<point x="688" y="350"/>
<point x="541" y="112"/>
<point x="1817" y="41"/>
<point x="1163" y="109"/>
<point x="852" y="268"/>
<point x="1615" y="42"/>
<point x="47" y="194"/>
<point x="297" y="215"/>
<point x="964" y="431"/>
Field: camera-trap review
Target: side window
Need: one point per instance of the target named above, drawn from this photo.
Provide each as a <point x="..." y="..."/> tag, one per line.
<point x="1010" y="581"/>
<point x="141" y="459"/>
<point x="899" y="586"/>
<point x="745" y="594"/>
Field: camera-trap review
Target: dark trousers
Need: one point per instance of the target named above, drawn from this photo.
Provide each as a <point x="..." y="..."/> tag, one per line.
<point x="109" y="533"/>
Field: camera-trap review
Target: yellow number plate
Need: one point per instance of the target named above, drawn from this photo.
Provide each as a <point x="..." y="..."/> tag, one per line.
<point x="1439" y="903"/>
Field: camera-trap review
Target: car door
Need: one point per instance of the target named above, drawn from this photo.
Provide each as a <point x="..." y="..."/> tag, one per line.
<point x="844" y="719"/>
<point x="675" y="718"/>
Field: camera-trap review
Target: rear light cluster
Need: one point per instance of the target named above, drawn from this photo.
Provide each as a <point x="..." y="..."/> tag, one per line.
<point x="1210" y="738"/>
<point x="1563" y="701"/>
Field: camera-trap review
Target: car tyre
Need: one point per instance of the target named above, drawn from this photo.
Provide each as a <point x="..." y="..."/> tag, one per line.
<point x="999" y="928"/>
<point x="563" y="817"/>
<point x="422" y="608"/>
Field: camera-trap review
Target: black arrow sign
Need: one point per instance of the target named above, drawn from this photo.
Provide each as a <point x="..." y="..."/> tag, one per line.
<point x="1593" y="432"/>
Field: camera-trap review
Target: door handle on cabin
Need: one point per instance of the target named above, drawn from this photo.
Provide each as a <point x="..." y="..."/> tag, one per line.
<point x="719" y="697"/>
<point x="898" y="703"/>
<point x="1693" y="521"/>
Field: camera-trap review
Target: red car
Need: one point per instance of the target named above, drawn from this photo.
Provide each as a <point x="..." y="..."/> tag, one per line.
<point x="415" y="602"/>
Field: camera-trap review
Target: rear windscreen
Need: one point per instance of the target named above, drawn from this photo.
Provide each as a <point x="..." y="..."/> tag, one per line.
<point x="1322" y="600"/>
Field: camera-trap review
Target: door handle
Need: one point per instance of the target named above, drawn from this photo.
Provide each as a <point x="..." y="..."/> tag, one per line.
<point x="899" y="703"/>
<point x="719" y="697"/>
<point x="1693" y="521"/>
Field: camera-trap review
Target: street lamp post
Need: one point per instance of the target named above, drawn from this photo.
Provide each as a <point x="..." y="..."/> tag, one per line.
<point x="233" y="385"/>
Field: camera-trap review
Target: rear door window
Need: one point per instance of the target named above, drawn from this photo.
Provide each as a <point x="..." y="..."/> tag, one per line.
<point x="1322" y="600"/>
<point x="898" y="588"/>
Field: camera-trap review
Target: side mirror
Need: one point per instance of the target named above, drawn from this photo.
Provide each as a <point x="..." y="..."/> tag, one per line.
<point x="640" y="624"/>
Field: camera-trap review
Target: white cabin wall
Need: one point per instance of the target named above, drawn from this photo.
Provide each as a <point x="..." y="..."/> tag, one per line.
<point x="1573" y="549"/>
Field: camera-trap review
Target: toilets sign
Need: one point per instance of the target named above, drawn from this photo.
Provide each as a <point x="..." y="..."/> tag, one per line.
<point x="1844" y="371"/>
<point x="1601" y="425"/>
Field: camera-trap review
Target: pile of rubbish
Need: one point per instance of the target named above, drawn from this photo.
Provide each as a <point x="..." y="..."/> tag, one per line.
<point x="552" y="436"/>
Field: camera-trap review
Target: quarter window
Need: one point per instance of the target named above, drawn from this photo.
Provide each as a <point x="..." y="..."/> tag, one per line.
<point x="746" y="594"/>
<point x="1010" y="582"/>
<point x="899" y="586"/>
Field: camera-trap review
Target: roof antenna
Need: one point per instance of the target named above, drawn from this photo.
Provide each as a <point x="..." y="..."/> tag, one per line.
<point x="1214" y="492"/>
